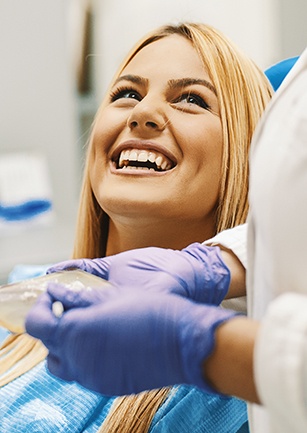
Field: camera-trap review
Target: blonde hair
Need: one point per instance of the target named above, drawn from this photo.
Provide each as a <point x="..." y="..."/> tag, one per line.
<point x="243" y="92"/>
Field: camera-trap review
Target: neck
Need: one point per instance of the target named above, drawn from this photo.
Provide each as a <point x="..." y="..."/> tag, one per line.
<point x="128" y="235"/>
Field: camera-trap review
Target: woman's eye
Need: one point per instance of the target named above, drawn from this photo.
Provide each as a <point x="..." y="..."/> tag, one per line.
<point x="125" y="94"/>
<point x="193" y="99"/>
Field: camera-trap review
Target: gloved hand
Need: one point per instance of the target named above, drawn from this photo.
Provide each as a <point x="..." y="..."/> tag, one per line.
<point x="120" y="341"/>
<point x="197" y="272"/>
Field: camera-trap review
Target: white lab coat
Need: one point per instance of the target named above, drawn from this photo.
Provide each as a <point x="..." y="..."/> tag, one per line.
<point x="277" y="258"/>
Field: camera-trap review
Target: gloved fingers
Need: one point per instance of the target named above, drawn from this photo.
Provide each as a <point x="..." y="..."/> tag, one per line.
<point x="101" y="267"/>
<point x="68" y="265"/>
<point x="40" y="321"/>
<point x="77" y="299"/>
<point x="98" y="267"/>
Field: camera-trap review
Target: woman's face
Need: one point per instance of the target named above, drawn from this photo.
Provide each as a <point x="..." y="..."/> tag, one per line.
<point x="157" y="144"/>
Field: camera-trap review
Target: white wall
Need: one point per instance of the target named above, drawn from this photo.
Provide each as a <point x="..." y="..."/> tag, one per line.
<point x="293" y="34"/>
<point x="36" y="89"/>
<point x="37" y="114"/>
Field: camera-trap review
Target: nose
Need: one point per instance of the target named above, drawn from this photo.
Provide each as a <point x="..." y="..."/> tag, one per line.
<point x="148" y="116"/>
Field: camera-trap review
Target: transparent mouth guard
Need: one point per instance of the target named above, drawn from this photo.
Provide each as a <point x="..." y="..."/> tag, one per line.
<point x="16" y="299"/>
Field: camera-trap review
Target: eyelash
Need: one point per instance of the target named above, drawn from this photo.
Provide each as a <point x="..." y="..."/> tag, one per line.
<point x="199" y="100"/>
<point x="122" y="92"/>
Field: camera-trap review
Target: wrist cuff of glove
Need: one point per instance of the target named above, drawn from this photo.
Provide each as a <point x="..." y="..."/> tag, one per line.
<point x="212" y="283"/>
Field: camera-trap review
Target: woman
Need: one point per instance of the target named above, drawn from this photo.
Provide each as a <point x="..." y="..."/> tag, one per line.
<point x="167" y="166"/>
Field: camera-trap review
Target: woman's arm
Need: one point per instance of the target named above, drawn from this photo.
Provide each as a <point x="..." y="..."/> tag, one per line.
<point x="237" y="285"/>
<point x="230" y="368"/>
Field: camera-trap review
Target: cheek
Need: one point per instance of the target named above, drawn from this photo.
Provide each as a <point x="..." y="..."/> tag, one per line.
<point x="203" y="144"/>
<point x="108" y="126"/>
<point x="204" y="155"/>
<point x="96" y="176"/>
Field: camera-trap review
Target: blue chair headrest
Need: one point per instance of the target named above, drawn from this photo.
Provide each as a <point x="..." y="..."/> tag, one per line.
<point x="278" y="72"/>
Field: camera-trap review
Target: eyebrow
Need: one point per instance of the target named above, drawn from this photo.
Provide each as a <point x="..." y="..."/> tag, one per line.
<point x="174" y="84"/>
<point x="133" y="78"/>
<point x="184" y="82"/>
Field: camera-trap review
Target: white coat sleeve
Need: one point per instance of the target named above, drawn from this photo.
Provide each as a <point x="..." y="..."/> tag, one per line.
<point x="281" y="362"/>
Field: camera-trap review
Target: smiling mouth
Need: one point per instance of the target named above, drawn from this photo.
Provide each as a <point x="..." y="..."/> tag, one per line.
<point x="132" y="159"/>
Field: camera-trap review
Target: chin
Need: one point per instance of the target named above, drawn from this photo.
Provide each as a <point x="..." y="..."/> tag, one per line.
<point x="139" y="208"/>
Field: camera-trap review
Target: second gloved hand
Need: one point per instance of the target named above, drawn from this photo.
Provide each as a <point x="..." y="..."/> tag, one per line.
<point x="117" y="341"/>
<point x="197" y="272"/>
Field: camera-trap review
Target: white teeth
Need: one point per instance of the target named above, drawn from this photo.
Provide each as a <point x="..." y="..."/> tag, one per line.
<point x="164" y="165"/>
<point x="143" y="156"/>
<point x="152" y="157"/>
<point x="126" y="154"/>
<point x="133" y="155"/>
<point x="159" y="161"/>
<point x="121" y="160"/>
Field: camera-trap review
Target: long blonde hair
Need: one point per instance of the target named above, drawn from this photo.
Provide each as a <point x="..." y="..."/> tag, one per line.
<point x="243" y="92"/>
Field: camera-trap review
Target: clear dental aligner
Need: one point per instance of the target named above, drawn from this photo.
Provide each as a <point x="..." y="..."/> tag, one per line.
<point x="16" y="299"/>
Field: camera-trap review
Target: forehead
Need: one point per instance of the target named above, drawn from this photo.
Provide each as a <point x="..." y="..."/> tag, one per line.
<point x="173" y="56"/>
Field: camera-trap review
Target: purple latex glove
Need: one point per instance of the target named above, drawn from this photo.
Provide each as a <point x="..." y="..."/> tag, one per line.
<point x="197" y="272"/>
<point x="117" y="341"/>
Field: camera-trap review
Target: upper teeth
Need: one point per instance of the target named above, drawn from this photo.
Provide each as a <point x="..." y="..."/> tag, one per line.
<point x="160" y="160"/>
